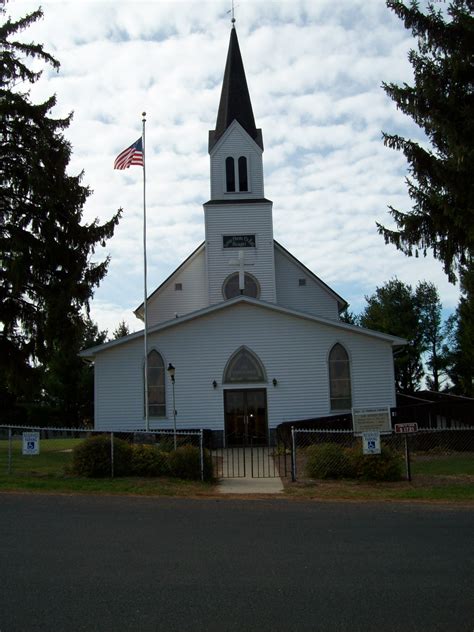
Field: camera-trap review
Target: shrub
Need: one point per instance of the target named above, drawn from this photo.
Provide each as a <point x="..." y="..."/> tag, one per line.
<point x="147" y="460"/>
<point x="92" y="457"/>
<point x="387" y="466"/>
<point x="185" y="462"/>
<point x="328" y="460"/>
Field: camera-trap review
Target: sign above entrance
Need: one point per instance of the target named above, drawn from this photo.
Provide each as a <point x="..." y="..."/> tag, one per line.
<point x="238" y="241"/>
<point x="371" y="420"/>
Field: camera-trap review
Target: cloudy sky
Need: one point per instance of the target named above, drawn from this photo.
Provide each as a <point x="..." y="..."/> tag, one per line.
<point x="314" y="70"/>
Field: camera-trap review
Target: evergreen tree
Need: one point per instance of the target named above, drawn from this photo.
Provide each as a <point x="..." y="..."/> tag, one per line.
<point x="459" y="353"/>
<point x="431" y="331"/>
<point x="121" y="331"/>
<point x="68" y="382"/>
<point x="47" y="277"/>
<point x="393" y="310"/>
<point x="346" y="316"/>
<point x="441" y="183"/>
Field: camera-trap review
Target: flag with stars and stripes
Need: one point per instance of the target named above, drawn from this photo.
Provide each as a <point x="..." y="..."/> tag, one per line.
<point x="133" y="155"/>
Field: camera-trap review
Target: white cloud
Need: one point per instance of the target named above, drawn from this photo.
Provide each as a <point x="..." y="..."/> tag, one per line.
<point x="314" y="71"/>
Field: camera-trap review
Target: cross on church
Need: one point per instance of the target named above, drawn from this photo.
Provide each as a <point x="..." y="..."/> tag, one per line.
<point x="241" y="263"/>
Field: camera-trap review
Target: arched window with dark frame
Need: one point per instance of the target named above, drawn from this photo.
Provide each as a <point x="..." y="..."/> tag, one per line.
<point x="230" y="289"/>
<point x="339" y="378"/>
<point x="243" y="179"/>
<point x="244" y="367"/>
<point x="230" y="174"/>
<point x="156" y="385"/>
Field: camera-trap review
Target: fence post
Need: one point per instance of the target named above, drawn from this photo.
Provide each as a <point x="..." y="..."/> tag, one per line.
<point x="112" y="454"/>
<point x="293" y="455"/>
<point x="9" y="451"/>
<point x="407" y="458"/>
<point x="201" y="452"/>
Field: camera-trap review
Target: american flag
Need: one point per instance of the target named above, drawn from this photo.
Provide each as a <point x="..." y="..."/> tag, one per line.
<point x="133" y="155"/>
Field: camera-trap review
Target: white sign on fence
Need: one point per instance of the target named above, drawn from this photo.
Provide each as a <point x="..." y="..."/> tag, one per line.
<point x="31" y="443"/>
<point x="371" y="443"/>
<point x="371" y="420"/>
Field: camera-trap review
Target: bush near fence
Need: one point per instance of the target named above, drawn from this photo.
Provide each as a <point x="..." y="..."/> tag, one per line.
<point x="96" y="455"/>
<point x="93" y="457"/>
<point x="334" y="461"/>
<point x="323" y="454"/>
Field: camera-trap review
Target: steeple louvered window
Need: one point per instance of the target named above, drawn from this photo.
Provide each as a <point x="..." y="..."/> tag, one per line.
<point x="230" y="174"/>
<point x="236" y="174"/>
<point x="243" y="181"/>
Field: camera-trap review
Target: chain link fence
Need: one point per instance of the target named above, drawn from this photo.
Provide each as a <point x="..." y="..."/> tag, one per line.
<point x="425" y="453"/>
<point x="41" y="452"/>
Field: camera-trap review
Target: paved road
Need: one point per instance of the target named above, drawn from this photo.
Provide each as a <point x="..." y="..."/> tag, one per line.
<point x="79" y="563"/>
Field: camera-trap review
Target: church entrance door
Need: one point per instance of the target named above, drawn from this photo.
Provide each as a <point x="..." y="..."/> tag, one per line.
<point x="246" y="417"/>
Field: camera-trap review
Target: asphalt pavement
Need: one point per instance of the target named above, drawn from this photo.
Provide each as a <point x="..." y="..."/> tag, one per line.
<point x="114" y="564"/>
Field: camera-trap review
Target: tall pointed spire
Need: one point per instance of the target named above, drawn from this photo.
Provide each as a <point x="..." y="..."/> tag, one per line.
<point x="235" y="101"/>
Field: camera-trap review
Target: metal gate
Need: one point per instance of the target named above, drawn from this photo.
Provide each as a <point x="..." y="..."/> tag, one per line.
<point x="252" y="460"/>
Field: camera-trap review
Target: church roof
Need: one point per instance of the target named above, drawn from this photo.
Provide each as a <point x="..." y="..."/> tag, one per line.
<point x="395" y="341"/>
<point x="235" y="101"/>
<point x="139" y="311"/>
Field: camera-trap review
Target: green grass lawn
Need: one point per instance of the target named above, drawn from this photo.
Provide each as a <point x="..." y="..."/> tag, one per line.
<point x="54" y="457"/>
<point x="126" y="485"/>
<point x="49" y="471"/>
<point x="461" y="464"/>
<point x="351" y="490"/>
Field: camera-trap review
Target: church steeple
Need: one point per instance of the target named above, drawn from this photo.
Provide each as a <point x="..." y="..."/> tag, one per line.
<point x="235" y="101"/>
<point x="238" y="217"/>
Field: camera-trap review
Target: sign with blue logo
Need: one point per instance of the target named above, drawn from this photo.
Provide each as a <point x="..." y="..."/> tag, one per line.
<point x="371" y="443"/>
<point x="31" y="443"/>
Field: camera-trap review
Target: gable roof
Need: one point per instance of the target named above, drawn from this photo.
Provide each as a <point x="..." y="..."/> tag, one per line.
<point x="139" y="310"/>
<point x="342" y="303"/>
<point x="217" y="307"/>
<point x="235" y="101"/>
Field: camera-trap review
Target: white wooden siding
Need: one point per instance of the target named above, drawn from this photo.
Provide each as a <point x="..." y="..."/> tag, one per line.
<point x="167" y="302"/>
<point x="236" y="142"/>
<point x="293" y="350"/>
<point x="229" y="219"/>
<point x="312" y="298"/>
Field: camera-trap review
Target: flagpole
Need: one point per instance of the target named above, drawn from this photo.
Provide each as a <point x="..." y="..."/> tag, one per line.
<point x="147" y="420"/>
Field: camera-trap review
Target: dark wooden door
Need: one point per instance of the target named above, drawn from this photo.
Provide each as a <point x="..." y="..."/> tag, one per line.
<point x="246" y="416"/>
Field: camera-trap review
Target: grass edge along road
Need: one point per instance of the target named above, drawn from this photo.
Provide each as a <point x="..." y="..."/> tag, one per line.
<point x="315" y="490"/>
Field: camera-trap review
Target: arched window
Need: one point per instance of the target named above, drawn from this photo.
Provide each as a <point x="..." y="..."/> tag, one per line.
<point x="339" y="378"/>
<point x="243" y="182"/>
<point x="243" y="367"/>
<point x="230" y="174"/>
<point x="156" y="385"/>
<point x="231" y="286"/>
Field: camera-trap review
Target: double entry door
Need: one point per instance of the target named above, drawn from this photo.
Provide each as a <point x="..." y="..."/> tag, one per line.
<point x="246" y="417"/>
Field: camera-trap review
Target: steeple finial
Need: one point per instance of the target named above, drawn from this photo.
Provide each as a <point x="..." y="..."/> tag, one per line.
<point x="232" y="12"/>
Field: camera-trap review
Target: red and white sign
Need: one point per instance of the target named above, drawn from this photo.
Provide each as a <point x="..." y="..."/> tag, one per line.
<point x="406" y="428"/>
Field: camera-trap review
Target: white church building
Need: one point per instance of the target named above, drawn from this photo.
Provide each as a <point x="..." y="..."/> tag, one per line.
<point x="254" y="336"/>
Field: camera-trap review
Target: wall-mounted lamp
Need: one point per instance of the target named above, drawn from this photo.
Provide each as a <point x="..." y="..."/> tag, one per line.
<point x="214" y="384"/>
<point x="171" y="370"/>
<point x="274" y="381"/>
